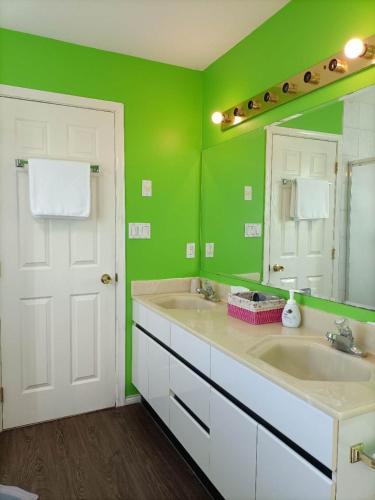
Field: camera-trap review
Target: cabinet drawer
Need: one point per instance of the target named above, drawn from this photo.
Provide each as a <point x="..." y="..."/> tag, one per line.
<point x="191" y="389"/>
<point x="194" y="350"/>
<point x="308" y="427"/>
<point x="284" y="475"/>
<point x="155" y="324"/>
<point x="190" y="434"/>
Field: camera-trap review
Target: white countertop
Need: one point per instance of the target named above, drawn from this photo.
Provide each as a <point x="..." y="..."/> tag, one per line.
<point x="238" y="339"/>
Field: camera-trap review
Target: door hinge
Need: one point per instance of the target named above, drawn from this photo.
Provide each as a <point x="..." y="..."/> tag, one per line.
<point x="116" y="277"/>
<point x="333" y="253"/>
<point x="1" y="394"/>
<point x="336" y="167"/>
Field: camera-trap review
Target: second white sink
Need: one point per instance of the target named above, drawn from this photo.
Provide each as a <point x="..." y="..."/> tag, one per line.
<point x="308" y="360"/>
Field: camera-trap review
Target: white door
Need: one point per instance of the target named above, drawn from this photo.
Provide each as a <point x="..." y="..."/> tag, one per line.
<point x="304" y="248"/>
<point x="57" y="318"/>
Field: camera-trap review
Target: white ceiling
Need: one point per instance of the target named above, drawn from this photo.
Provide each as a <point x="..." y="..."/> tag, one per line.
<point x="190" y="33"/>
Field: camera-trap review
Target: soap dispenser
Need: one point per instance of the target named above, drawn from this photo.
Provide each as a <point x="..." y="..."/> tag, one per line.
<point x="291" y="316"/>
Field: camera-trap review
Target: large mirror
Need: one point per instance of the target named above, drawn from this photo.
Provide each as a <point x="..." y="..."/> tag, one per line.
<point x="293" y="205"/>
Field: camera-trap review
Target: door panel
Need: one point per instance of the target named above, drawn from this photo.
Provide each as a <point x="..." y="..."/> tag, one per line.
<point x="58" y="319"/>
<point x="303" y="247"/>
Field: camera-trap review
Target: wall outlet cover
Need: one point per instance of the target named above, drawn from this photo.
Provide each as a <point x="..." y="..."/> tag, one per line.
<point x="209" y="250"/>
<point x="248" y="193"/>
<point x="146" y="188"/>
<point x="139" y="230"/>
<point x="253" y="230"/>
<point x="190" y="250"/>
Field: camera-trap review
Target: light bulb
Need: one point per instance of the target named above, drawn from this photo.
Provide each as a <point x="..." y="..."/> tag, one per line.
<point x="217" y="117"/>
<point x="354" y="48"/>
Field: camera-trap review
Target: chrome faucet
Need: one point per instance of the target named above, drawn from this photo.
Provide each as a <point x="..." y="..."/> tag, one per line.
<point x="208" y="292"/>
<point x="343" y="339"/>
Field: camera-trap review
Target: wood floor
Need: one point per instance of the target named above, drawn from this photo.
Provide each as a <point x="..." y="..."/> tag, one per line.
<point x="110" y="454"/>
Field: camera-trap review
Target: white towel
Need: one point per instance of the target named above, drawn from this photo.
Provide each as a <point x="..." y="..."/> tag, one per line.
<point x="59" y="188"/>
<point x="309" y="199"/>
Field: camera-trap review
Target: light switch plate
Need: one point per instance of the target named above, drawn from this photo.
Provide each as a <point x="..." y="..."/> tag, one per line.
<point x="139" y="230"/>
<point x="253" y="230"/>
<point x="248" y="193"/>
<point x="190" y="250"/>
<point x="146" y="188"/>
<point x="210" y="250"/>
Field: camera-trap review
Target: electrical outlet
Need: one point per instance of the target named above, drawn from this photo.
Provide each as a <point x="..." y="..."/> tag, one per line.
<point x="139" y="231"/>
<point x="210" y="250"/>
<point x="190" y="250"/>
<point x="146" y="188"/>
<point x="253" y="230"/>
<point x="248" y="193"/>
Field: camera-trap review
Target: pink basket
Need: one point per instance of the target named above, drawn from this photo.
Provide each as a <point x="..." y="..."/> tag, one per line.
<point x="255" y="318"/>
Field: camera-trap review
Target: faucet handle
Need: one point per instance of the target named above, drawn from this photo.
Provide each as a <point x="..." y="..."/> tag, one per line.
<point x="341" y="322"/>
<point x="343" y="327"/>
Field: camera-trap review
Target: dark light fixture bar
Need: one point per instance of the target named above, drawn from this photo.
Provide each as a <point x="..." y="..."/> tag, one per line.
<point x="356" y="56"/>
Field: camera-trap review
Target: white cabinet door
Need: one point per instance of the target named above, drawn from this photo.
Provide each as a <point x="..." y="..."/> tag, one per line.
<point x="282" y="474"/>
<point x="158" y="379"/>
<point x="233" y="440"/>
<point x="139" y="360"/>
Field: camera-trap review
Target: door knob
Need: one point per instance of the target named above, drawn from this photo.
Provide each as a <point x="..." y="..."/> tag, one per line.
<point x="106" y="279"/>
<point x="278" y="267"/>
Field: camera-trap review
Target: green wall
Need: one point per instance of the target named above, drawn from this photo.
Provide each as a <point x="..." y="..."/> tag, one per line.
<point x="226" y="169"/>
<point x="301" y="34"/>
<point x="328" y="119"/>
<point x="163" y="109"/>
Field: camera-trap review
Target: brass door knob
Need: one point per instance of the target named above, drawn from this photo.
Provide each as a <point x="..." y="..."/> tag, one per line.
<point x="278" y="268"/>
<point x="106" y="279"/>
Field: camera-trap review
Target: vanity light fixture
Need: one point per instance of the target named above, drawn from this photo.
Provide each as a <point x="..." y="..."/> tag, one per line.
<point x="270" y="97"/>
<point x="289" y="88"/>
<point x="253" y="104"/>
<point x="355" y="47"/>
<point x="310" y="77"/>
<point x="238" y="112"/>
<point x="217" y="117"/>
<point x="337" y="65"/>
<point x="356" y="56"/>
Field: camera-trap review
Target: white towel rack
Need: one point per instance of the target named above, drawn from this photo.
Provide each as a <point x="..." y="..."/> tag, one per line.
<point x="95" y="169"/>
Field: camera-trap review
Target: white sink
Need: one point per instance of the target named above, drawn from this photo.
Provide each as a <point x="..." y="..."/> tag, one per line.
<point x="196" y="303"/>
<point x="307" y="359"/>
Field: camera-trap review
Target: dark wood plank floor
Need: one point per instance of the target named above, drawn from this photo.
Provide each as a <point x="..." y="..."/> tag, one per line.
<point x="110" y="454"/>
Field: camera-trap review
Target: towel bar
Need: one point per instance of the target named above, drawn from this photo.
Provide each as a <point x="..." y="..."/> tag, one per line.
<point x="23" y="164"/>
<point x="358" y="454"/>
<point x="284" y="181"/>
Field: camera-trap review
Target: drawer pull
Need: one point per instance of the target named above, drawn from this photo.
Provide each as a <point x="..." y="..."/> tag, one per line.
<point x="357" y="454"/>
<point x="191" y="413"/>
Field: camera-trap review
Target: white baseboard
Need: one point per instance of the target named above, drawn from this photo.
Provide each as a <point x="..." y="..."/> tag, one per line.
<point x="131" y="400"/>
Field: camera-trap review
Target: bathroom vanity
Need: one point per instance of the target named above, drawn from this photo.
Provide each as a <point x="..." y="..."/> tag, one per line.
<point x="223" y="389"/>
